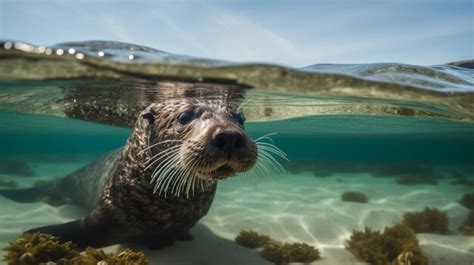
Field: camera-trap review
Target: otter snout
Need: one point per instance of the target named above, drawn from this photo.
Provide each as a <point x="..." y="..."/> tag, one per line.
<point x="229" y="141"/>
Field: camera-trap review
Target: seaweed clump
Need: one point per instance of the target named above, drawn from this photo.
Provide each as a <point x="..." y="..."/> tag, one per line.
<point x="467" y="227"/>
<point x="430" y="220"/>
<point x="251" y="239"/>
<point x="284" y="253"/>
<point x="97" y="256"/>
<point x="467" y="200"/>
<point x="397" y="245"/>
<point x="410" y="179"/>
<point x="354" y="196"/>
<point x="278" y="252"/>
<point x="39" y="248"/>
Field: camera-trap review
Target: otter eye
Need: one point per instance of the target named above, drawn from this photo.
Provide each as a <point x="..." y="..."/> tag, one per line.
<point x="185" y="117"/>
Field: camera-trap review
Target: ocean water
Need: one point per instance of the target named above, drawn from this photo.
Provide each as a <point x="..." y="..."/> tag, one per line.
<point x="401" y="134"/>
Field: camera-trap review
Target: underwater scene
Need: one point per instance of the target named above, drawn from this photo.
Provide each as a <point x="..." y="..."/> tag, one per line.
<point x="355" y="164"/>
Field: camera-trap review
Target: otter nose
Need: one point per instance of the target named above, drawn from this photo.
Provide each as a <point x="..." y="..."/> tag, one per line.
<point x="229" y="140"/>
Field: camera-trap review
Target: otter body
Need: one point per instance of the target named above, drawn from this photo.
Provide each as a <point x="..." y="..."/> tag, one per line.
<point x="124" y="207"/>
<point x="162" y="182"/>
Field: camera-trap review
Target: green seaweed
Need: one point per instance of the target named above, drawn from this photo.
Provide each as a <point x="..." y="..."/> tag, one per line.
<point x="39" y="248"/>
<point x="368" y="246"/>
<point x="397" y="245"/>
<point x="251" y="239"/>
<point x="412" y="179"/>
<point x="430" y="220"/>
<point x="467" y="227"/>
<point x="354" y="196"/>
<point x="276" y="251"/>
<point x="283" y="253"/>
<point x="94" y="256"/>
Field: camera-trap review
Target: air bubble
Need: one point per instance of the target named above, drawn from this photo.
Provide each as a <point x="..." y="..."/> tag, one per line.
<point x="8" y="45"/>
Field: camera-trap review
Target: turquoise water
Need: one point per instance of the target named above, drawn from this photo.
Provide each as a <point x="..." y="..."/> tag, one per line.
<point x="401" y="134"/>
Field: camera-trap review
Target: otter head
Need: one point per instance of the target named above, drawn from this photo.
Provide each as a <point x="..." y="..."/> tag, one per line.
<point x="192" y="142"/>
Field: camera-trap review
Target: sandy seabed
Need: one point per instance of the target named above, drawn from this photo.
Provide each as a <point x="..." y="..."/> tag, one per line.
<point x="294" y="208"/>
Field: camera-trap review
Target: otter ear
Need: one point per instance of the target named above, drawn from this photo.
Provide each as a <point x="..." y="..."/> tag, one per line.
<point x="149" y="114"/>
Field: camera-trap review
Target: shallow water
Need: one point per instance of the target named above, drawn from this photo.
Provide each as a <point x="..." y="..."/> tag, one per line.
<point x="401" y="134"/>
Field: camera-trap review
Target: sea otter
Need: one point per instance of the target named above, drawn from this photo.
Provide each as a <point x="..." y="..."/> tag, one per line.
<point x="163" y="181"/>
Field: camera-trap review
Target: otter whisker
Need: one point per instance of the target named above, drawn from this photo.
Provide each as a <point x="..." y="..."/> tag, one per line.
<point x="175" y="187"/>
<point x="170" y="176"/>
<point x="188" y="177"/>
<point x="269" y="157"/>
<point x="166" y="164"/>
<point x="193" y="184"/>
<point x="177" y="169"/>
<point x="272" y="146"/>
<point x="266" y="165"/>
<point x="177" y="178"/>
<point x="161" y="153"/>
<point x="179" y="188"/>
<point x="158" y="156"/>
<point x="273" y="149"/>
<point x="161" y="159"/>
<point x="190" y="184"/>
<point x="243" y="103"/>
<point x="256" y="170"/>
<point x="153" y="145"/>
<point x="177" y="175"/>
<point x="163" y="163"/>
<point x="254" y="175"/>
<point x="185" y="177"/>
<point x="191" y="178"/>
<point x="165" y="175"/>
<point x="266" y="136"/>
<point x="202" y="183"/>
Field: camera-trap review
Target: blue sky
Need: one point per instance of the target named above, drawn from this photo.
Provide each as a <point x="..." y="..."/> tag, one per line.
<point x="293" y="32"/>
